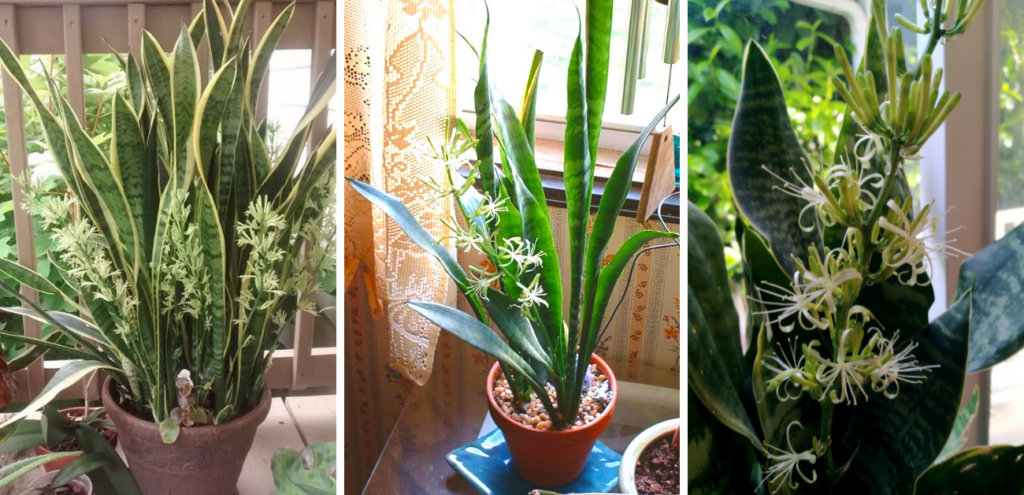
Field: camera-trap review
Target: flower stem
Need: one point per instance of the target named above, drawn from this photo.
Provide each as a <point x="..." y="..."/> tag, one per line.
<point x="826" y="440"/>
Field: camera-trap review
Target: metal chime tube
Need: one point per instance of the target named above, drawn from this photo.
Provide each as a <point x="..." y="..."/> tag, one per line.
<point x="645" y="37"/>
<point x="673" y="31"/>
<point x="632" y="68"/>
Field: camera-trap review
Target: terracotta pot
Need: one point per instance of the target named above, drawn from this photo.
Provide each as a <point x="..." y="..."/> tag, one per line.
<point x="71" y="412"/>
<point x="551" y="458"/>
<point x="630" y="457"/>
<point x="205" y="460"/>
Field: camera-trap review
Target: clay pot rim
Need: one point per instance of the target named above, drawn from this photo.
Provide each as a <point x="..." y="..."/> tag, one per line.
<point x="636" y="447"/>
<point x="256" y="414"/>
<point x="594" y="359"/>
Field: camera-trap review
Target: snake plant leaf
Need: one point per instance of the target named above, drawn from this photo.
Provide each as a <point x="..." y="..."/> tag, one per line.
<point x="610" y="274"/>
<point x="136" y="87"/>
<point x="37" y="348"/>
<point x="186" y="87"/>
<point x="284" y="167"/>
<point x="599" y="35"/>
<point x="261" y="57"/>
<point x="515" y="327"/>
<point x="712" y="466"/>
<point x="127" y="155"/>
<point x="78" y="467"/>
<point x="211" y="239"/>
<point x="901" y="437"/>
<point x="151" y="187"/>
<point x="905" y="307"/>
<point x="709" y="378"/>
<point x="763" y="140"/>
<point x="238" y="26"/>
<point x="208" y="118"/>
<point x="65" y="377"/>
<point x="482" y="107"/>
<point x="231" y="156"/>
<point x="997" y="321"/>
<point x="528" y="113"/>
<point x="962" y="426"/>
<point x="197" y="29"/>
<point x="417" y="234"/>
<point x="215" y="32"/>
<point x="105" y="183"/>
<point x="578" y="176"/>
<point x="537" y="231"/>
<point x="158" y="77"/>
<point x="708" y="282"/>
<point x="521" y="160"/>
<point x="14" y="471"/>
<point x="474" y="333"/>
<point x="992" y="469"/>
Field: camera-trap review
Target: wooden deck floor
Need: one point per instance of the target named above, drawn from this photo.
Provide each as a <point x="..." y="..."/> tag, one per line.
<point x="293" y="423"/>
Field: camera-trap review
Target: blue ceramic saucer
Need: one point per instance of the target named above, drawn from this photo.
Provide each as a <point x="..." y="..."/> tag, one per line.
<point x="486" y="464"/>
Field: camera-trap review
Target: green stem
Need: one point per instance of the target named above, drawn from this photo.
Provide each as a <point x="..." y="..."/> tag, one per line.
<point x="827" y="408"/>
<point x="936" y="34"/>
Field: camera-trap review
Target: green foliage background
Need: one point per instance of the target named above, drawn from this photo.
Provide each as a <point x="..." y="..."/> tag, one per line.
<point x="799" y="42"/>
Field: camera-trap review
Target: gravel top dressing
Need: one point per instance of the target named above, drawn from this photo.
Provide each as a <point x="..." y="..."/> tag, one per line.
<point x="596" y="396"/>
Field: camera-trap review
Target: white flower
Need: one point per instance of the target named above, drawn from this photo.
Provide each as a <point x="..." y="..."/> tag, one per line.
<point x="466" y="240"/>
<point x="785" y="371"/>
<point x="532" y="295"/>
<point x="816" y="200"/>
<point x="856" y="175"/>
<point x="913" y="245"/>
<point x="846" y="372"/>
<point x="481" y="280"/>
<point x="823" y="287"/>
<point x="895" y="367"/>
<point x="784" y="462"/>
<point x="872" y="145"/>
<point x="520" y="253"/>
<point x="489" y="209"/>
<point x="795" y="302"/>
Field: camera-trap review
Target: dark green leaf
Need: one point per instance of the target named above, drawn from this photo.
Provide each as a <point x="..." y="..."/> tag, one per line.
<point x="995" y="469"/>
<point x="763" y="136"/>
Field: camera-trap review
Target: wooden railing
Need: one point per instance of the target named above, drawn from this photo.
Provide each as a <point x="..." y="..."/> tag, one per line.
<point x="53" y="27"/>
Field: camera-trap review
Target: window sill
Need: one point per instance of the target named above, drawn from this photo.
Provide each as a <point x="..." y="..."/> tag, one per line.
<point x="549" y="155"/>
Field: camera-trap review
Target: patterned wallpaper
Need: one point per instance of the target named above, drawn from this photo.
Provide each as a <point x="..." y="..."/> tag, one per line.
<point x="643" y="334"/>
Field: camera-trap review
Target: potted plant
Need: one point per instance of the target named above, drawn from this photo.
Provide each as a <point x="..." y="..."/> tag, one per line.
<point x="57" y="432"/>
<point x="548" y="392"/>
<point x="846" y="386"/>
<point x="650" y="464"/>
<point x="187" y="253"/>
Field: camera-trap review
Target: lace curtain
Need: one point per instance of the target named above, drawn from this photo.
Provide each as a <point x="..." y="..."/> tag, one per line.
<point x="399" y="88"/>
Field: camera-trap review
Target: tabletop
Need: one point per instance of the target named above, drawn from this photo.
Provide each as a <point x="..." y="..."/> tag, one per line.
<point x="413" y="459"/>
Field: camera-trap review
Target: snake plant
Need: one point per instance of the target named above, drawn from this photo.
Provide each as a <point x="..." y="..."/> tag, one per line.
<point x="504" y="215"/>
<point x="186" y="255"/>
<point x="846" y="387"/>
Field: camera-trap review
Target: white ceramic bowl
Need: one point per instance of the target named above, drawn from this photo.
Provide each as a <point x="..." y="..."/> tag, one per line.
<point x="627" y="470"/>
<point x="81" y="481"/>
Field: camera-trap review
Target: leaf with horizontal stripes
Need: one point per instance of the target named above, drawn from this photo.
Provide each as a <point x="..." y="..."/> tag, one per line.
<point x="215" y="32"/>
<point x="158" y="76"/>
<point x="261" y="57"/>
<point x="578" y="176"/>
<point x="991" y="469"/>
<point x="209" y="113"/>
<point x="763" y="140"/>
<point x="900" y="438"/>
<point x="599" y="33"/>
<point x="528" y="114"/>
<point x="127" y="155"/>
<point x="186" y="86"/>
<point x="996" y="274"/>
<point x="958" y="437"/>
